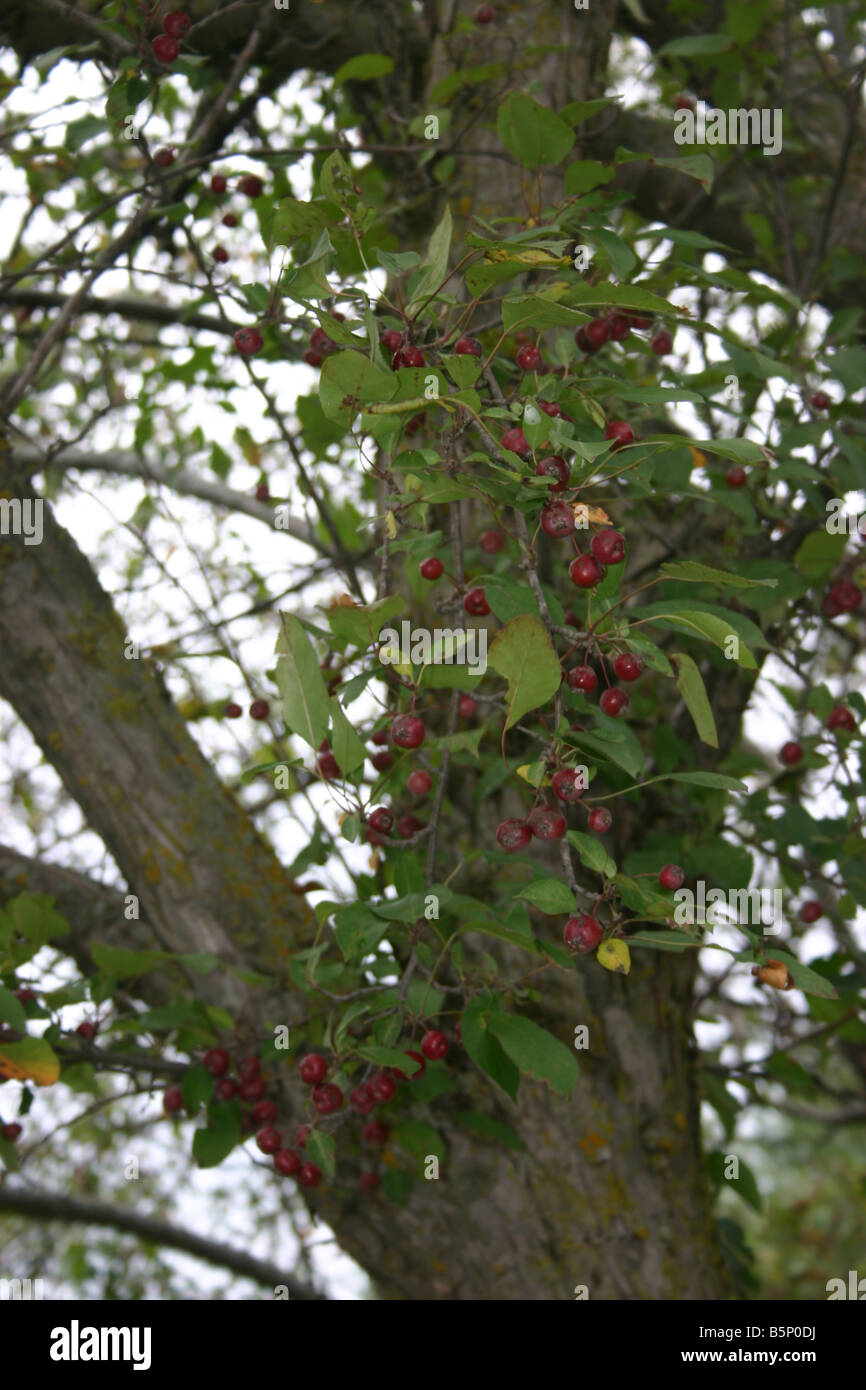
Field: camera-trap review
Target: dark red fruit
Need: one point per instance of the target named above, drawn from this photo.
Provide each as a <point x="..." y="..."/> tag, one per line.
<point x="661" y="342"/>
<point x="233" y="711"/>
<point x="476" y="603"/>
<point x="431" y="568"/>
<point x="286" y="1162"/>
<point x="380" y="820"/>
<point x="375" y="1132"/>
<point x="13" y="1130"/>
<point x="172" y="1100"/>
<point x="619" y="432"/>
<point x="585" y="571"/>
<point x="251" y="185"/>
<point x="382" y="761"/>
<point x="846" y="594"/>
<point x="321" y="343"/>
<point x="552" y="408"/>
<point x="613" y="701"/>
<point x="165" y="48"/>
<point x="736" y="476"/>
<point x="391" y="340"/>
<point x="618" y="328"/>
<point x="369" y="1182"/>
<point x="301" y="1135"/>
<point x="218" y="184"/>
<point x="528" y="358"/>
<point x="555" y="467"/>
<point x="513" y="835"/>
<point x="468" y="347"/>
<point x="407" y="826"/>
<point x="248" y="1067"/>
<point x="600" y="820"/>
<point x="829" y="607"/>
<point x="842" y="718"/>
<point x="557" y="520"/>
<point x="628" y="667"/>
<point x="313" y="1068"/>
<point x="672" y="877"/>
<point x="313" y="359"/>
<point x="380" y="738"/>
<point x="87" y="1030"/>
<point x="485" y="14"/>
<point x="491" y="541"/>
<point x="252" y="1088"/>
<point x="327" y="1099"/>
<point x="248" y="341"/>
<point x="434" y="1045"/>
<point x="361" y="1100"/>
<point x="264" y="1113"/>
<point x="582" y="678"/>
<point x="515" y="440"/>
<point x="407" y="357"/>
<point x="416" y="1057"/>
<point x="582" y="933"/>
<point x="164" y="158"/>
<point x="263" y="493"/>
<point x="582" y="340"/>
<point x="810" y="912"/>
<point x="328" y="766"/>
<point x="309" y="1175"/>
<point x="821" y="401"/>
<point x="684" y="103"/>
<point x="25" y="995"/>
<point x="608" y="547"/>
<point x="229" y="220"/>
<point x="791" y="753"/>
<point x="546" y="823"/>
<point x="419" y="782"/>
<point x="467" y="707"/>
<point x="259" y="709"/>
<point x="225" y="1089"/>
<point x="407" y="731"/>
<point x="382" y="1087"/>
<point x="216" y="1061"/>
<point x="567" y="785"/>
<point x="177" y="24"/>
<point x="597" y="333"/>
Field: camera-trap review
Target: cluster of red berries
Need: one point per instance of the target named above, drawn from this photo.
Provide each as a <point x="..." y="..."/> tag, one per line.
<point x="321" y="345"/>
<point x="615" y="327"/>
<point x="259" y="709"/>
<point x="166" y="46"/>
<point x="840" y="717"/>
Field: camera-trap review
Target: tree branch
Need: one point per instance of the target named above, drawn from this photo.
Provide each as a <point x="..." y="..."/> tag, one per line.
<point x="56" y="1206"/>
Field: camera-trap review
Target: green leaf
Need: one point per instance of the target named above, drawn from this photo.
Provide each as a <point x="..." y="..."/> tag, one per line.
<point x="484" y="1050"/>
<point x="592" y="853"/>
<point x="215" y="1142"/>
<point x="79" y="132"/>
<point x="321" y="1148"/>
<point x="489" y="1128"/>
<point x="522" y="652"/>
<point x="294" y="218"/>
<point x="535" y="1051"/>
<point x="534" y="134"/>
<point x="360" y="624"/>
<point x="12" y="1010"/>
<point x="585" y="174"/>
<point x="123" y="964"/>
<point x="197" y="1086"/>
<point x="358" y="931"/>
<point x="346" y="746"/>
<point x="614" y="743"/>
<point x="696" y="46"/>
<point x="549" y="895"/>
<point x="306" y="704"/>
<point x="348" y="377"/>
<point x="690" y="572"/>
<point x="364" y="67"/>
<point x="436" y="261"/>
<point x="691" y="686"/>
<point x="819" y="554"/>
<point x="397" y="1185"/>
<point x="621" y="256"/>
<point x="419" y="1139"/>
<point x="697" y="622"/>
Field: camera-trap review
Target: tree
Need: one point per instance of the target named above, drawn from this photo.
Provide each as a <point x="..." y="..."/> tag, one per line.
<point x="608" y="382"/>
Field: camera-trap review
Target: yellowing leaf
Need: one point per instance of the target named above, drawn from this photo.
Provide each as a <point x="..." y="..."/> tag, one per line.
<point x="391" y="526"/>
<point x="699" y="460"/>
<point x="614" y="955"/>
<point x="584" y="514"/>
<point x="29" y="1060"/>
